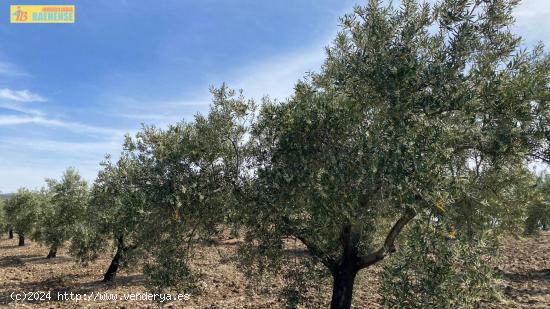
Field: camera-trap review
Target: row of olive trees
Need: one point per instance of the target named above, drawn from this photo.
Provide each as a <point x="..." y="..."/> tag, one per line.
<point x="49" y="215"/>
<point x="420" y="122"/>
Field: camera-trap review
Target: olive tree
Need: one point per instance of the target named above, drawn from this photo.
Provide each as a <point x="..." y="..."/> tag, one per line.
<point x="3" y="221"/>
<point x="64" y="210"/>
<point x="115" y="215"/>
<point x="21" y="212"/>
<point x="189" y="174"/>
<point x="374" y="140"/>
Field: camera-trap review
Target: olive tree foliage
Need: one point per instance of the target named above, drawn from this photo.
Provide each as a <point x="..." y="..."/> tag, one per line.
<point x="64" y="211"/>
<point x="538" y="213"/>
<point x="21" y="212"/>
<point x="456" y="248"/>
<point x="494" y="202"/>
<point x="410" y="103"/>
<point x="430" y="270"/>
<point x="191" y="174"/>
<point x="114" y="216"/>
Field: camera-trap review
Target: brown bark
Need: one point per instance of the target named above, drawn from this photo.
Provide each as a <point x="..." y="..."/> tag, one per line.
<point x="52" y="253"/>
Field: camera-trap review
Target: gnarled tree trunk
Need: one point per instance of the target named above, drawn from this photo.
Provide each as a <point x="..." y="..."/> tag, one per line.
<point x="21" y="240"/>
<point x="10" y="233"/>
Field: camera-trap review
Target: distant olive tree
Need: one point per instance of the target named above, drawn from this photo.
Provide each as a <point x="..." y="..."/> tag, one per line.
<point x="64" y="210"/>
<point x="3" y="220"/>
<point x="21" y="212"/>
<point x="538" y="214"/>
<point x="408" y="100"/>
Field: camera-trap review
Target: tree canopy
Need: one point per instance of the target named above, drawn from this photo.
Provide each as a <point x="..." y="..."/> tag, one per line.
<point x="412" y="109"/>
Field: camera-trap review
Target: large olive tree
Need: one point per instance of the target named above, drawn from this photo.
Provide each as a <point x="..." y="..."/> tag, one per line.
<point x="409" y="103"/>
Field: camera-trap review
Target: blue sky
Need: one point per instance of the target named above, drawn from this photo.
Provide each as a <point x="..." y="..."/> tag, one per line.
<point x="69" y="92"/>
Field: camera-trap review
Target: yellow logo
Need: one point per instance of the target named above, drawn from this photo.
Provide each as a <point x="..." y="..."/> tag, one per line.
<point x="50" y="14"/>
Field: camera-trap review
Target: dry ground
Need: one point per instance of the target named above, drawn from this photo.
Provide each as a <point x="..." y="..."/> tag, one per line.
<point x="525" y="273"/>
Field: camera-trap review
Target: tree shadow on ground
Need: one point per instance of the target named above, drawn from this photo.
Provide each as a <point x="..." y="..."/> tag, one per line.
<point x="10" y="246"/>
<point x="23" y="259"/>
<point x="16" y="260"/>
<point x="525" y="287"/>
<point x="539" y="274"/>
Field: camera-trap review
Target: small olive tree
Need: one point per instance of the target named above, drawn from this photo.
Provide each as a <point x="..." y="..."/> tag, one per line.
<point x="21" y="212"/>
<point x="64" y="210"/>
<point x="374" y="140"/>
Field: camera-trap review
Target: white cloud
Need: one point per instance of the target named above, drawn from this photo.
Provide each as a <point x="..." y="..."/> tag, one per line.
<point x="277" y="76"/>
<point x="147" y="111"/>
<point x="10" y="120"/>
<point x="10" y="70"/>
<point x="21" y="108"/>
<point x="32" y="175"/>
<point x="20" y="95"/>
<point x="92" y="149"/>
<point x="533" y="21"/>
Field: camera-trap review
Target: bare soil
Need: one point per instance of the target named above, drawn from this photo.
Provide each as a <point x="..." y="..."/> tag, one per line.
<point x="525" y="272"/>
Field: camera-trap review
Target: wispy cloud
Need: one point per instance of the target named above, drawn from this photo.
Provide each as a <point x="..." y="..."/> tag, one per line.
<point x="533" y="21"/>
<point x="88" y="149"/>
<point x="20" y="96"/>
<point x="274" y="77"/>
<point x="10" y="120"/>
<point x="277" y="76"/>
<point x="20" y="108"/>
<point x="11" y="70"/>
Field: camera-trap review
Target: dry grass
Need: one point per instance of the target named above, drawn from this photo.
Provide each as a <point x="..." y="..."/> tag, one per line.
<point x="525" y="271"/>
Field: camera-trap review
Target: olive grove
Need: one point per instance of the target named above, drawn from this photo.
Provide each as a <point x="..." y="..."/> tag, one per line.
<point x="410" y="145"/>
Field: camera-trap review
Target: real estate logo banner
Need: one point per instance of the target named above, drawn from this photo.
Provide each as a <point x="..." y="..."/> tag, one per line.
<point x="50" y="14"/>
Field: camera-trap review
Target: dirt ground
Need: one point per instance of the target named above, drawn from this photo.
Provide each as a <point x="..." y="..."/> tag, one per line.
<point x="525" y="271"/>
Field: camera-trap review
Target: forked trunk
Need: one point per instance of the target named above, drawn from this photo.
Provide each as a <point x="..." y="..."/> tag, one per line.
<point x="21" y="240"/>
<point x="342" y="288"/>
<point x="52" y="253"/>
<point x="10" y="233"/>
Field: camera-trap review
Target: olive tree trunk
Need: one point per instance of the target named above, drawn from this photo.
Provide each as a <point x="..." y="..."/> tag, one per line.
<point x="345" y="271"/>
<point x="110" y="274"/>
<point x="342" y="287"/>
<point x="10" y="233"/>
<point x="53" y="252"/>
<point x="21" y="240"/>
